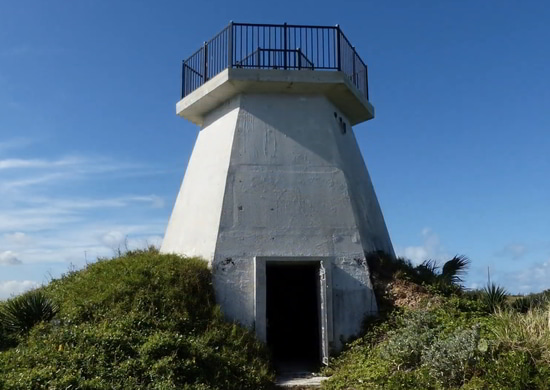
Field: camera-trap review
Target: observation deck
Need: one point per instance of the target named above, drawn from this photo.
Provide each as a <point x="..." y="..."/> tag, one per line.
<point x="275" y="58"/>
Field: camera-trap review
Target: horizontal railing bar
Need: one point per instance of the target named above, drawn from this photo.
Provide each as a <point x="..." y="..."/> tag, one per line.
<point x="218" y="35"/>
<point x="194" y="54"/>
<point x="283" y="25"/>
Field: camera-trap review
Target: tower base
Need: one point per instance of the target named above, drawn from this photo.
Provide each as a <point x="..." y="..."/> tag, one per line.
<point x="278" y="180"/>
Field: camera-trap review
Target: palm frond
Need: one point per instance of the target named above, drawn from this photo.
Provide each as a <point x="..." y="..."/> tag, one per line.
<point x="427" y="271"/>
<point x="454" y="269"/>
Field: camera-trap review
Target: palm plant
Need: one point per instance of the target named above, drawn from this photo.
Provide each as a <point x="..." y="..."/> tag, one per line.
<point x="454" y="269"/>
<point x="20" y="314"/>
<point x="427" y="271"/>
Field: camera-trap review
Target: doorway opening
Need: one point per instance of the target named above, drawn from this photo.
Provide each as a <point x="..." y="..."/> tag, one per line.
<point x="293" y="315"/>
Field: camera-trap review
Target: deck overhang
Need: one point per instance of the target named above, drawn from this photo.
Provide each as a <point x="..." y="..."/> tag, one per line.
<point x="336" y="86"/>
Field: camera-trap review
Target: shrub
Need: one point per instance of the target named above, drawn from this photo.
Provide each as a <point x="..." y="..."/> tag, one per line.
<point x="18" y="315"/>
<point x="532" y="301"/>
<point x="140" y="321"/>
<point x="404" y="346"/>
<point x="511" y="370"/>
<point x="450" y="360"/>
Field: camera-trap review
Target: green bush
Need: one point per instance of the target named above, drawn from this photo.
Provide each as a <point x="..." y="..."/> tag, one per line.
<point x="451" y="360"/>
<point x="140" y="321"/>
<point x="405" y="345"/>
<point x="511" y="370"/>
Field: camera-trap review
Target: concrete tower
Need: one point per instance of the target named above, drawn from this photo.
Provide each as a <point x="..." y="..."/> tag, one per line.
<point x="276" y="195"/>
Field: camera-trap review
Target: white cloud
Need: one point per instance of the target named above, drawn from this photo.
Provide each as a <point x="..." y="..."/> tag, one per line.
<point x="20" y="163"/>
<point x="430" y="249"/>
<point x="533" y="277"/>
<point x="113" y="239"/>
<point x="16" y="238"/>
<point x="9" y="288"/>
<point x="14" y="143"/>
<point x="9" y="258"/>
<point x="513" y="251"/>
<point x="56" y="211"/>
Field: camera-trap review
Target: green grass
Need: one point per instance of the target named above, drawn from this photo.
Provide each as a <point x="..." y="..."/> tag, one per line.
<point x="139" y="321"/>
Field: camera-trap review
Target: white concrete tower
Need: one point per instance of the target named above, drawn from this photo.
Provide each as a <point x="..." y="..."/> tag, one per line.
<point x="276" y="195"/>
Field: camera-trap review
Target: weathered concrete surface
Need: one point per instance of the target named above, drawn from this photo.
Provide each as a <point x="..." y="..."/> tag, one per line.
<point x="335" y="86"/>
<point x="277" y="177"/>
<point x="300" y="381"/>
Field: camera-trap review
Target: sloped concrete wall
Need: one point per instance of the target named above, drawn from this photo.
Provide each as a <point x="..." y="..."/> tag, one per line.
<point x="276" y="176"/>
<point x="290" y="191"/>
<point x="193" y="226"/>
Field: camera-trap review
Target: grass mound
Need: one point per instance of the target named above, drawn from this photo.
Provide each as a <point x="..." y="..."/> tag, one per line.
<point x="139" y="321"/>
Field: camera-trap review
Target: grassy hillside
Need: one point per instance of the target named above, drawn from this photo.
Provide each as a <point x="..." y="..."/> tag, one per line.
<point x="140" y="321"/>
<point x="149" y="321"/>
<point x="433" y="335"/>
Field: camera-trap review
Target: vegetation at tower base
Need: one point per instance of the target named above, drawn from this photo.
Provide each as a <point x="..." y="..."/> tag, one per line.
<point x="139" y="321"/>
<point x="432" y="334"/>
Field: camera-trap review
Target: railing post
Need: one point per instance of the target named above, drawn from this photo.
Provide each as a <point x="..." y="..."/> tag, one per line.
<point x="367" y="81"/>
<point x="230" y="45"/>
<point x="338" y="47"/>
<point x="285" y="46"/>
<point x="299" y="53"/>
<point x="182" y="79"/>
<point x="354" y="77"/>
<point x="205" y="63"/>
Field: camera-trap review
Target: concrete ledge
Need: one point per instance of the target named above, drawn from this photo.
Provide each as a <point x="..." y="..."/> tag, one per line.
<point x="231" y="82"/>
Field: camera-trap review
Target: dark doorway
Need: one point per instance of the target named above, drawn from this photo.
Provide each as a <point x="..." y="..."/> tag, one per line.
<point x="293" y="315"/>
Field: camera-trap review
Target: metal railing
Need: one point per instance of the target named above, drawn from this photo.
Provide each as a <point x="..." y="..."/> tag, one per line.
<point x="275" y="46"/>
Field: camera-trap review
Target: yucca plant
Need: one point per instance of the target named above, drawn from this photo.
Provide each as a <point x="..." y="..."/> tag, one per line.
<point x="18" y="315"/>
<point x="494" y="296"/>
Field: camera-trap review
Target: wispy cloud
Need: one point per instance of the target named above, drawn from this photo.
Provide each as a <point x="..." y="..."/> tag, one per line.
<point x="9" y="288"/>
<point x="430" y="249"/>
<point x="55" y="211"/>
<point x="535" y="277"/>
<point x="9" y="258"/>
<point x="14" y="143"/>
<point x="512" y="251"/>
<point x="15" y="163"/>
<point x="17" y="173"/>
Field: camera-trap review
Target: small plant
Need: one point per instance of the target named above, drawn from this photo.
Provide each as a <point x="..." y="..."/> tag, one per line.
<point x="20" y="314"/>
<point x="494" y="296"/>
<point x="450" y="360"/>
<point x="405" y="345"/>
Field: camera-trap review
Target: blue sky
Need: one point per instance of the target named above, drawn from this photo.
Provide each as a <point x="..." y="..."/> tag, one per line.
<point x="92" y="153"/>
